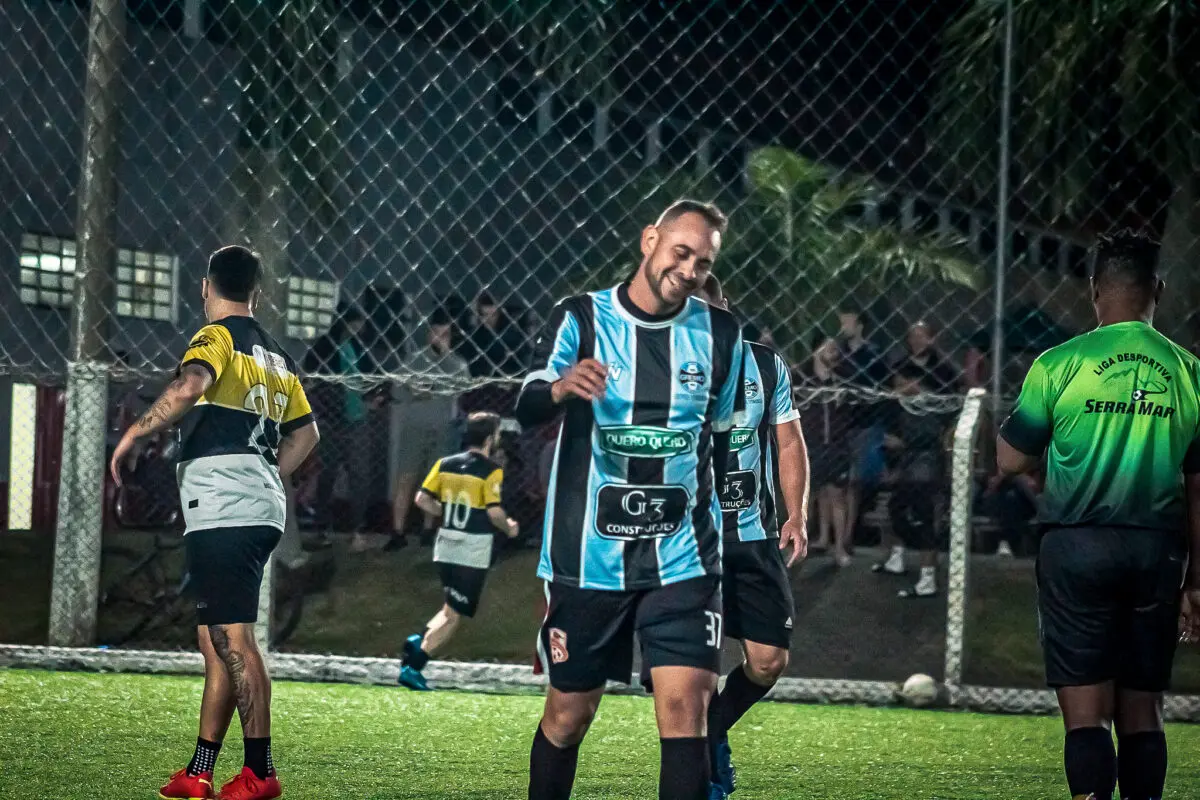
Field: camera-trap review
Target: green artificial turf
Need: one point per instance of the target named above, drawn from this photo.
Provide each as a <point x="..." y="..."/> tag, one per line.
<point x="69" y="736"/>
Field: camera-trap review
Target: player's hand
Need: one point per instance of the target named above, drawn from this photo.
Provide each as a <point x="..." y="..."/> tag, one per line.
<point x="514" y="530"/>
<point x="1189" y="617"/>
<point x="122" y="452"/>
<point x="584" y="380"/>
<point x="794" y="534"/>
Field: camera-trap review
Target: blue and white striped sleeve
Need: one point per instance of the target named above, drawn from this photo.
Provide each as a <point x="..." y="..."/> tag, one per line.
<point x="782" y="410"/>
<point x="555" y="351"/>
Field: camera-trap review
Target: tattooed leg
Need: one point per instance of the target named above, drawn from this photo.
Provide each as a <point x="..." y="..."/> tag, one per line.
<point x="248" y="675"/>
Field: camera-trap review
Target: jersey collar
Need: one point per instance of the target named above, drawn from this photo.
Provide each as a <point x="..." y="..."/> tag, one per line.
<point x="626" y="308"/>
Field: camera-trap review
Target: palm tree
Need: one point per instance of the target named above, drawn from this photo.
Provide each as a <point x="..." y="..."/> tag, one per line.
<point x="287" y="143"/>
<point x="794" y="241"/>
<point x="1082" y="74"/>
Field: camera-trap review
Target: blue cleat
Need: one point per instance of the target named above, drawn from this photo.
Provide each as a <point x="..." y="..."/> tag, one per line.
<point x="413" y="679"/>
<point x="724" y="774"/>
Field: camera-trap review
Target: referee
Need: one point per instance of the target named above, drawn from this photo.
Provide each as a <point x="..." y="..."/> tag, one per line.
<point x="1116" y="413"/>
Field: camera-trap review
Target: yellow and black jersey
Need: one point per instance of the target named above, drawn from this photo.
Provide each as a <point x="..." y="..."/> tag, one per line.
<point x="230" y="440"/>
<point x="467" y="485"/>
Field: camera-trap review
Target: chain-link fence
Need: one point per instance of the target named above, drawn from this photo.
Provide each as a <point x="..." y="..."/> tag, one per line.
<point x="912" y="190"/>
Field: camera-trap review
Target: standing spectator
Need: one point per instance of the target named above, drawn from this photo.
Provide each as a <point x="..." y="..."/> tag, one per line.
<point x="1012" y="501"/>
<point x="862" y="366"/>
<point x="916" y="465"/>
<point x="494" y="348"/>
<point x="826" y="423"/>
<point x="921" y="352"/>
<point x="425" y="416"/>
<point x="342" y="405"/>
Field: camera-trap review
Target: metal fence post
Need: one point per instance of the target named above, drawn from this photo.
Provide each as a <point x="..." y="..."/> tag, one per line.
<point x="76" y="582"/>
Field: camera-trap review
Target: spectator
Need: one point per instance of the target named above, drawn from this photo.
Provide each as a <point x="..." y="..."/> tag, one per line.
<point x="342" y="405"/>
<point x="916" y="456"/>
<point x="826" y="422"/>
<point x="495" y="343"/>
<point x="1012" y="501"/>
<point x="862" y="366"/>
<point x="425" y="413"/>
<point x="921" y="353"/>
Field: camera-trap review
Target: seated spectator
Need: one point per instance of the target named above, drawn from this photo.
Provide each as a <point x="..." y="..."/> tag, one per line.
<point x="826" y="419"/>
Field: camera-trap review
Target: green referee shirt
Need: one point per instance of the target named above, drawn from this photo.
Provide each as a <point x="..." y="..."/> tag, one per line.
<point x="1117" y="414"/>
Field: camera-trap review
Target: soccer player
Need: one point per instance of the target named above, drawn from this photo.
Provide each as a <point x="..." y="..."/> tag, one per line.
<point x="646" y="377"/>
<point x="464" y="490"/>
<point x="1117" y="414"/>
<point x="757" y="594"/>
<point x="247" y="426"/>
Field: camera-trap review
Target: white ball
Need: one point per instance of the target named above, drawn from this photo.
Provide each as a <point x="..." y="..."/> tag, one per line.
<point x="919" y="690"/>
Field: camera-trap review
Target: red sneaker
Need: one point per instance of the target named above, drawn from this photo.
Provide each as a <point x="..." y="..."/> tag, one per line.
<point x="248" y="786"/>
<point x="188" y="787"/>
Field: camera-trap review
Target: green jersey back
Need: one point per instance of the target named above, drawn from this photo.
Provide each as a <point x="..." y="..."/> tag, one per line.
<point x="1118" y="410"/>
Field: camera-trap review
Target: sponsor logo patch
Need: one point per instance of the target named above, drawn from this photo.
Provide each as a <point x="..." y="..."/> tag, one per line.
<point x="740" y="438"/>
<point x="645" y="441"/>
<point x="640" y="512"/>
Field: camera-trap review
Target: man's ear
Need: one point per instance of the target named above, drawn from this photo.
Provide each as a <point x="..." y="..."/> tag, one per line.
<point x="1095" y="290"/>
<point x="1159" y="288"/>
<point x="650" y="237"/>
<point x="204" y="288"/>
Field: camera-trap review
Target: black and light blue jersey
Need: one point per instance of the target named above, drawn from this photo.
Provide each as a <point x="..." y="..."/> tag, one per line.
<point x="748" y="496"/>
<point x="630" y="504"/>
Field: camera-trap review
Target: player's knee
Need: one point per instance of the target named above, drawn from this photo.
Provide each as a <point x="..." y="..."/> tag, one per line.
<point x="681" y="713"/>
<point x="565" y="724"/>
<point x="766" y="665"/>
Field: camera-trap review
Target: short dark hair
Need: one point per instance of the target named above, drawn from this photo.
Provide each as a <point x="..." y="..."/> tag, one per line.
<point x="715" y="218"/>
<point x="481" y="426"/>
<point x="1127" y="258"/>
<point x="234" y="271"/>
<point x="907" y="370"/>
<point x="440" y="316"/>
<point x="486" y="298"/>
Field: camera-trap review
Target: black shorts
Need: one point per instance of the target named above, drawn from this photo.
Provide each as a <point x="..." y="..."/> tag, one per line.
<point x="462" y="586"/>
<point x="587" y="638"/>
<point x="1108" y="605"/>
<point x="225" y="569"/>
<point x="757" y="593"/>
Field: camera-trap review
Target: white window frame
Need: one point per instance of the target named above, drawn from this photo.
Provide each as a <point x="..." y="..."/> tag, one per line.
<point x="311" y="306"/>
<point x="47" y="278"/>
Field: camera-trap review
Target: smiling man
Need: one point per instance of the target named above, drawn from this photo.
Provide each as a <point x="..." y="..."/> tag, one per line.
<point x="646" y="377"/>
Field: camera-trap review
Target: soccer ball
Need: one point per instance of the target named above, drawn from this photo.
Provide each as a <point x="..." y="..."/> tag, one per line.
<point x="919" y="690"/>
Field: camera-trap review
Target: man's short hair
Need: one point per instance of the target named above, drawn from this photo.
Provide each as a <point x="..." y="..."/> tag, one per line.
<point x="1127" y="258"/>
<point x="486" y="298"/>
<point x="715" y="218"/>
<point x="481" y="426"/>
<point x="440" y="316"/>
<point x="908" y="371"/>
<point x="234" y="271"/>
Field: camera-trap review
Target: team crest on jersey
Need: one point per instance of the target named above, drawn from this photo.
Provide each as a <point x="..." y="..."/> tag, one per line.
<point x="691" y="375"/>
<point x="558" y="646"/>
<point x="751" y="389"/>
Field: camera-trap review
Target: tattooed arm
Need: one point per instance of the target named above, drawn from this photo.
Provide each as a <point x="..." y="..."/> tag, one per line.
<point x="176" y="400"/>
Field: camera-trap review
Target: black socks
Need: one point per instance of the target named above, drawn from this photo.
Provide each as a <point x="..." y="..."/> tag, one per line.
<point x="1091" y="762"/>
<point x="205" y="757"/>
<point x="551" y="769"/>
<point x="684" y="772"/>
<point x="738" y="696"/>
<point x="1142" y="765"/>
<point x="258" y="756"/>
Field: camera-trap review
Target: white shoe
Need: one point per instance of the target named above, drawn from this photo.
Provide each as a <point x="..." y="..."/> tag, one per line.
<point x="1004" y="549"/>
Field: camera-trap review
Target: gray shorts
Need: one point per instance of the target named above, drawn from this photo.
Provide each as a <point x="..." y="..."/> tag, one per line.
<point x="419" y="438"/>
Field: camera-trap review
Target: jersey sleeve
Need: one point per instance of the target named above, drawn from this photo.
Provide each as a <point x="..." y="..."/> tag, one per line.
<point x="298" y="412"/>
<point x="1031" y="423"/>
<point x="783" y="409"/>
<point x="491" y="488"/>
<point x="556" y="349"/>
<point x="724" y="414"/>
<point x="433" y="481"/>
<point x="211" y="348"/>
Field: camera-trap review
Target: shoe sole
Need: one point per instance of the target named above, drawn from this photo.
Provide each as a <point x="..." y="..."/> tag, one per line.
<point x="162" y="796"/>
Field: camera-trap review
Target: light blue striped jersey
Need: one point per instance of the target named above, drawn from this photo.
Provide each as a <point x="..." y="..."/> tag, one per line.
<point x="748" y="497"/>
<point x="630" y="503"/>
